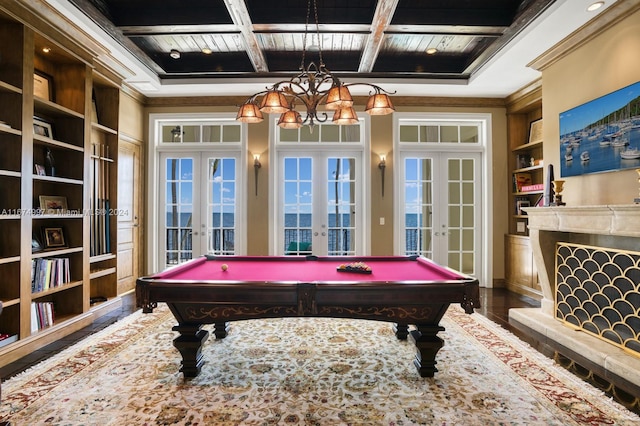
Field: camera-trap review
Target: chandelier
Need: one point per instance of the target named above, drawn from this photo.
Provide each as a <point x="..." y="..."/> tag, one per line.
<point x="314" y="86"/>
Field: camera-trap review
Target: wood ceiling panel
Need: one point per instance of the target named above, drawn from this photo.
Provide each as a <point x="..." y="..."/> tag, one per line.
<point x="249" y="37"/>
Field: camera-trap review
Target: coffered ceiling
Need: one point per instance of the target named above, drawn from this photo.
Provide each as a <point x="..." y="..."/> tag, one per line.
<point x="219" y="41"/>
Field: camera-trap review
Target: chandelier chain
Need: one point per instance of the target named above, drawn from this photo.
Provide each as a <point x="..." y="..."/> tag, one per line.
<point x="304" y="36"/>
<point x="315" y="11"/>
<point x="313" y="86"/>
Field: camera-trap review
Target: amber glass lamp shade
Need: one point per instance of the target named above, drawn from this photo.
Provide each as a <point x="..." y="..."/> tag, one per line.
<point x="345" y="116"/>
<point x="274" y="101"/>
<point x="379" y="104"/>
<point x="290" y="120"/>
<point x="339" y="97"/>
<point x="249" y="113"/>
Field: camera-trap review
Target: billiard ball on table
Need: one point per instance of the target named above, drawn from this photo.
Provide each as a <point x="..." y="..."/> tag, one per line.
<point x="224" y="267"/>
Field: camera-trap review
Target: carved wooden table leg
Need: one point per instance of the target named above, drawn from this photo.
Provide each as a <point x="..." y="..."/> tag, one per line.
<point x="189" y="343"/>
<point x="401" y="330"/>
<point x="220" y="329"/>
<point x="427" y="344"/>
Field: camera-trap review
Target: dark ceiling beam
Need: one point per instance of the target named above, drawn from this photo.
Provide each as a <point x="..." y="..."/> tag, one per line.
<point x="381" y="19"/>
<point x="240" y="16"/>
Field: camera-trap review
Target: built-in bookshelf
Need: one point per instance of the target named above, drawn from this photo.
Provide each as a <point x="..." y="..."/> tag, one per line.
<point x="103" y="199"/>
<point x="526" y="169"/>
<point x="59" y="155"/>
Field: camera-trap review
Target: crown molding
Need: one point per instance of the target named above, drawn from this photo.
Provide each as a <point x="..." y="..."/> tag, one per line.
<point x="607" y="19"/>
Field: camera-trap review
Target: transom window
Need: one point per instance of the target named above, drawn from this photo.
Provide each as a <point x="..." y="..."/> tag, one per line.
<point x="202" y="132"/>
<point x="321" y="133"/>
<point x="440" y="132"/>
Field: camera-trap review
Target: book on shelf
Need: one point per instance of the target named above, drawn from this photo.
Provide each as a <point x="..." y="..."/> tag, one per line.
<point x="49" y="273"/>
<point x="520" y="180"/>
<point x="532" y="187"/>
<point x="42" y="315"/>
<point x="6" y="339"/>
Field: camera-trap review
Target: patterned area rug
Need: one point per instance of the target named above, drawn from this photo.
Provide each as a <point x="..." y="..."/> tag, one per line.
<point x="303" y="371"/>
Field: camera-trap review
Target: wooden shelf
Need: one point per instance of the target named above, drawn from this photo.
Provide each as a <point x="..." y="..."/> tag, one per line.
<point x="52" y="142"/>
<point x="102" y="258"/>
<point x="101" y="128"/>
<point x="528" y="169"/>
<point x="12" y="259"/>
<point x="527" y="146"/>
<point x="10" y="173"/>
<point x="63" y="287"/>
<point x="523" y="108"/>
<point x="10" y="302"/>
<point x="6" y="87"/>
<point x="53" y="109"/>
<point x="10" y="130"/>
<point x="59" y="252"/>
<point x="102" y="272"/>
<point x="58" y="179"/>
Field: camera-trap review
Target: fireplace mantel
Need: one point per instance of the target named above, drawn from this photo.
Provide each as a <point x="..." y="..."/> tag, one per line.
<point x="622" y="220"/>
<point x="608" y="226"/>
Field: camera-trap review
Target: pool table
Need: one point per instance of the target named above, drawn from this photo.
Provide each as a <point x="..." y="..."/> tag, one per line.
<point x="214" y="290"/>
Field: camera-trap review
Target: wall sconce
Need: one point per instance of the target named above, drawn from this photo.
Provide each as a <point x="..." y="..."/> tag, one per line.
<point x="382" y="165"/>
<point x="256" y="167"/>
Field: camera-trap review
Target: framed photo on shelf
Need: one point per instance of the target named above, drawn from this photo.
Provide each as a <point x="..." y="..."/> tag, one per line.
<point x="520" y="204"/>
<point x="43" y="85"/>
<point x="53" y="204"/>
<point x="40" y="170"/>
<point x="521" y="227"/>
<point x="53" y="237"/>
<point x="42" y="128"/>
<point x="535" y="131"/>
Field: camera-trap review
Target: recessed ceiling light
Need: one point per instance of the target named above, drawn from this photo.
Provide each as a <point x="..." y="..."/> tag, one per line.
<point x="174" y="54"/>
<point x="431" y="51"/>
<point x="595" y="6"/>
<point x="46" y="49"/>
<point x="206" y="51"/>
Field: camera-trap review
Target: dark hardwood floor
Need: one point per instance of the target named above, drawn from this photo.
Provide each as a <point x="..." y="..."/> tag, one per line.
<point x="495" y="306"/>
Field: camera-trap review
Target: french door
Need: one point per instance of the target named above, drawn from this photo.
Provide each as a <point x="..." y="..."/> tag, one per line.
<point x="318" y="209"/>
<point x="441" y="208"/>
<point x="198" y="204"/>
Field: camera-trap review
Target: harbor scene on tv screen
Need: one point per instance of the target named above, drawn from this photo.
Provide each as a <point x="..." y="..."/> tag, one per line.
<point x="601" y="135"/>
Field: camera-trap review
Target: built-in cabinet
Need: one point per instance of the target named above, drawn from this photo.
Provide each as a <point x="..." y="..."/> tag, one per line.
<point x="526" y="185"/>
<point x="58" y="188"/>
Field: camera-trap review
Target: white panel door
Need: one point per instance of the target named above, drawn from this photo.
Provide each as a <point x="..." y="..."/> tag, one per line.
<point x="442" y="209"/>
<point x="318" y="209"/>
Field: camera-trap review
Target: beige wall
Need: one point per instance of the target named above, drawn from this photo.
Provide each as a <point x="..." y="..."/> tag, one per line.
<point x="381" y="142"/>
<point x="131" y="116"/>
<point x="606" y="63"/>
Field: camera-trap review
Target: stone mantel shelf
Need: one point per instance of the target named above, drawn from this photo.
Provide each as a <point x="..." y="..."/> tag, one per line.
<point x="620" y="220"/>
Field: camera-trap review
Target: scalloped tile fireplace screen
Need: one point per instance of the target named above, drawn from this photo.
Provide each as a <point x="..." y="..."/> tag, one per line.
<point x="598" y="291"/>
